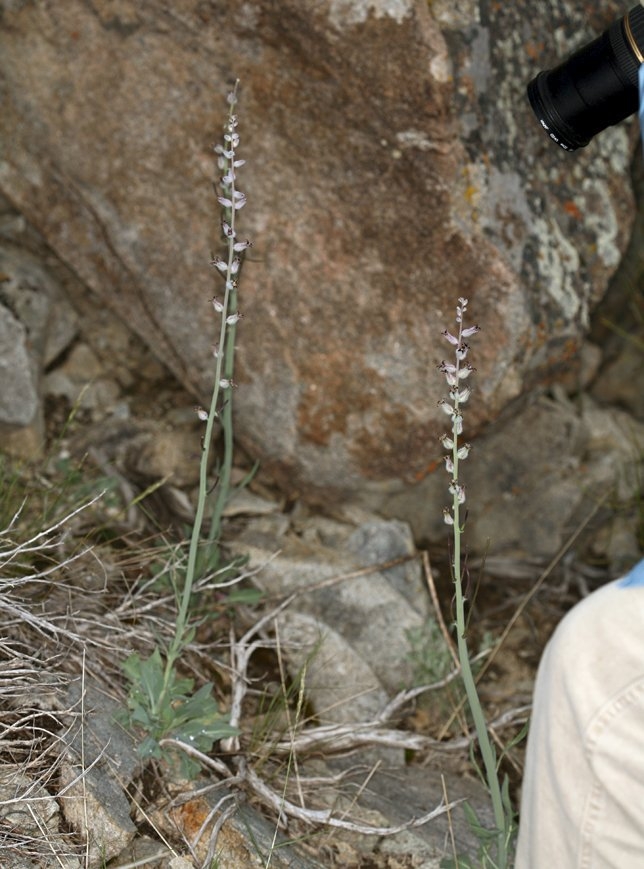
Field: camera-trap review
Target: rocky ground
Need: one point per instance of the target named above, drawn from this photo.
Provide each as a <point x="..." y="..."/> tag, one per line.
<point x="330" y="717"/>
<point x="362" y="624"/>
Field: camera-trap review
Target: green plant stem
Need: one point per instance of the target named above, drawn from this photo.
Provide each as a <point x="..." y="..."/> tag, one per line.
<point x="181" y="623"/>
<point x="226" y="418"/>
<point x="225" y="353"/>
<point x="487" y="749"/>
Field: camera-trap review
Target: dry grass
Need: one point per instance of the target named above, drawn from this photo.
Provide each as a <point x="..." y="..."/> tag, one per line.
<point x="74" y="603"/>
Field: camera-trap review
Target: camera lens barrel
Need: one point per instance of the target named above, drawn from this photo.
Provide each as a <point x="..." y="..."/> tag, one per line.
<point x="595" y="88"/>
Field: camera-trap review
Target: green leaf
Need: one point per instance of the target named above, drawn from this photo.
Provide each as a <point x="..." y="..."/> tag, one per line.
<point x="139" y="715"/>
<point x="179" y="687"/>
<point x="483" y="834"/>
<point x="150" y="748"/>
<point x="248" y="596"/>
<point x="132" y="667"/>
<point x="200" y="707"/>
<point x="188" y="636"/>
<point x="505" y="796"/>
<point x="203" y="736"/>
<point x="151" y="677"/>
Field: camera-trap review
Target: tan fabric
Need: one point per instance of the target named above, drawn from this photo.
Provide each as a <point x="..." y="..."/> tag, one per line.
<point x="583" y="790"/>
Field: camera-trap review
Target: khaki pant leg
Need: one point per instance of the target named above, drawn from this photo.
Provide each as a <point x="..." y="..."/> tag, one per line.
<point x="583" y="791"/>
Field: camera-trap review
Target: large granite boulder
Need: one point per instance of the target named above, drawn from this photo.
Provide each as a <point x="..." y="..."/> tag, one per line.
<point x="393" y="165"/>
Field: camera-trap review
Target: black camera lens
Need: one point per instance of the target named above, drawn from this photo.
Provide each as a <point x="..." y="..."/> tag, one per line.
<point x="595" y="88"/>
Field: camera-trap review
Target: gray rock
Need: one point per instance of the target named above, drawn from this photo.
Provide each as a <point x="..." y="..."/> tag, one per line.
<point x="534" y="477"/>
<point x="337" y="681"/>
<point x="30" y="821"/>
<point x="39" y="302"/>
<point x="36" y="325"/>
<point x="614" y="450"/>
<point x="393" y="164"/>
<point x="246" y="838"/>
<point x="399" y="794"/>
<point x="81" y="381"/>
<point x="348" y="624"/>
<point x="388" y="796"/>
<point x="378" y="541"/>
<point x="151" y="853"/>
<point x="100" y="761"/>
<point x="620" y="382"/>
<point x="19" y="399"/>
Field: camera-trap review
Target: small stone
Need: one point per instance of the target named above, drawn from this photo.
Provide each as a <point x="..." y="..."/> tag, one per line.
<point x="379" y="541"/>
<point x="245" y="503"/>
<point x="181" y="863"/>
<point x="620" y="382"/>
<point x="94" y="802"/>
<point x="33" y="817"/>
<point x="167" y="454"/>
<point x="19" y="400"/>
<point x="81" y="381"/>
<point x="151" y="853"/>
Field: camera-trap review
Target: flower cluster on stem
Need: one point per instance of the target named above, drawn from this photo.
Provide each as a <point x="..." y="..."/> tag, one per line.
<point x="232" y="200"/>
<point x="456" y="372"/>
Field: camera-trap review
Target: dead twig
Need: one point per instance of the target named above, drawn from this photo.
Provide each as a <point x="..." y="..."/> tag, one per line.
<point x="340" y="738"/>
<point x="325" y="817"/>
<point x="429" y="578"/>
<point x="241" y="652"/>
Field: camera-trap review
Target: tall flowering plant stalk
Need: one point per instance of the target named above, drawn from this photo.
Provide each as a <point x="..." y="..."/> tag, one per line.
<point x="161" y="702"/>
<point x="231" y="200"/>
<point x="457" y="372"/>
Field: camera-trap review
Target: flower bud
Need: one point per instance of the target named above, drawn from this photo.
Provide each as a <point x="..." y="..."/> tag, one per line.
<point x="219" y="263"/>
<point x="456" y="489"/>
<point x="451" y="338"/>
<point x="471" y="330"/>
